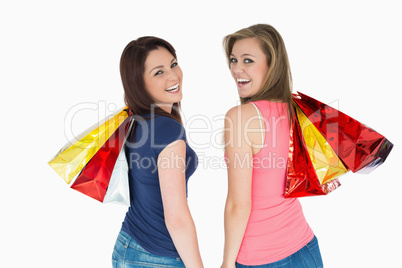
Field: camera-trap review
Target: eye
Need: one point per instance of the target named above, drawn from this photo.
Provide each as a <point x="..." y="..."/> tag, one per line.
<point x="174" y="65"/>
<point x="233" y="60"/>
<point x="248" y="61"/>
<point x="158" y="73"/>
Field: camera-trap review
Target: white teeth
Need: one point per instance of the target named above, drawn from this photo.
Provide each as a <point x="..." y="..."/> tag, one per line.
<point x="243" y="80"/>
<point x="173" y="88"/>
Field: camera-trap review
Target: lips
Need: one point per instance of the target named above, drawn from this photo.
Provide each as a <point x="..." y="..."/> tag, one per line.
<point x="242" y="82"/>
<point x="174" y="88"/>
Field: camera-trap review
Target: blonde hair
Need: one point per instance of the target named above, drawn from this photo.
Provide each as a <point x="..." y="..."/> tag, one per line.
<point x="278" y="82"/>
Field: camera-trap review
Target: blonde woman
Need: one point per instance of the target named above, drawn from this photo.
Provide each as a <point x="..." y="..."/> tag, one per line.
<point x="262" y="228"/>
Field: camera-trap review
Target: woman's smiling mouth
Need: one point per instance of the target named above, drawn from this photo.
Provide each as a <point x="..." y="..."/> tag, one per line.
<point x="242" y="82"/>
<point x="173" y="89"/>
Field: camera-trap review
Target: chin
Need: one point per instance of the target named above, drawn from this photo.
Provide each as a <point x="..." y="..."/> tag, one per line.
<point x="179" y="98"/>
<point x="175" y="100"/>
<point x="245" y="95"/>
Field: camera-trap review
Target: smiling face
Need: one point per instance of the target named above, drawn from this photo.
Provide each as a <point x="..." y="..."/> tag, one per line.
<point x="163" y="78"/>
<point x="248" y="66"/>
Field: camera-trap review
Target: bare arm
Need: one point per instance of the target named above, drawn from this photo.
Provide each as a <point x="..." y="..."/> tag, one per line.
<point x="171" y="167"/>
<point x="238" y="152"/>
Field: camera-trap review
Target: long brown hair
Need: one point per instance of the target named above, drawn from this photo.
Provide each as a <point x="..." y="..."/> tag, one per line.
<point x="132" y="67"/>
<point x="278" y="82"/>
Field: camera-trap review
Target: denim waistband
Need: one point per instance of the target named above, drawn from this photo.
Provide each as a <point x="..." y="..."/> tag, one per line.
<point x="129" y="241"/>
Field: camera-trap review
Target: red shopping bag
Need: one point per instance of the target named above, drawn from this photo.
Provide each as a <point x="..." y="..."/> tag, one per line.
<point x="302" y="179"/>
<point x="358" y="147"/>
<point x="95" y="176"/>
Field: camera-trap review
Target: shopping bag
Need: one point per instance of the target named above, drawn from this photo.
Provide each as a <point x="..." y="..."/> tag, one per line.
<point x="303" y="179"/>
<point x="118" y="190"/>
<point x="96" y="162"/>
<point x="72" y="157"/>
<point x="95" y="177"/>
<point x="358" y="146"/>
<point x="325" y="144"/>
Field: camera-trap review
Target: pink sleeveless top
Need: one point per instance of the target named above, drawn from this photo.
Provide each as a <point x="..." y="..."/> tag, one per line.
<point x="276" y="227"/>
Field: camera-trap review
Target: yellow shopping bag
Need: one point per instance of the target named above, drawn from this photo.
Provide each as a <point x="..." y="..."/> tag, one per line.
<point x="325" y="161"/>
<point x="73" y="157"/>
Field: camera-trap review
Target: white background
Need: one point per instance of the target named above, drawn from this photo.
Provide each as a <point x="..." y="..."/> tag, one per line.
<point x="58" y="54"/>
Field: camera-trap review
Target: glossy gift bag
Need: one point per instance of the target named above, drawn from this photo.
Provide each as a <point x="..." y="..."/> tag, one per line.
<point x="325" y="144"/>
<point x="96" y="162"/>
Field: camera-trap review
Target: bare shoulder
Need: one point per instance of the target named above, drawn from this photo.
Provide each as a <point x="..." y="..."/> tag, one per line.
<point x="243" y="122"/>
<point x="241" y="113"/>
<point x="177" y="147"/>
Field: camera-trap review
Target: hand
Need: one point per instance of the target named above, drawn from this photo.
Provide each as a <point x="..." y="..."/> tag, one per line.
<point x="225" y="265"/>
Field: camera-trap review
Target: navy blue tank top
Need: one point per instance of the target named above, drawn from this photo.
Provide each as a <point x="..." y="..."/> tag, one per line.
<point x="144" y="220"/>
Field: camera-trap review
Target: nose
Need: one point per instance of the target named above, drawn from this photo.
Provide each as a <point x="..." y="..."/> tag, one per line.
<point x="173" y="76"/>
<point x="237" y="68"/>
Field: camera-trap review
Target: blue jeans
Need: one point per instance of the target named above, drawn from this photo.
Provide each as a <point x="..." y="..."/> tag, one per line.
<point x="128" y="254"/>
<point x="307" y="257"/>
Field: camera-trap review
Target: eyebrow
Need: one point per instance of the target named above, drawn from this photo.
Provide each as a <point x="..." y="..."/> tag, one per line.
<point x="243" y="55"/>
<point x="161" y="66"/>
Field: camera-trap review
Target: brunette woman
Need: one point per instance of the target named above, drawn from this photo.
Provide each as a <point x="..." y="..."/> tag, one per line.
<point x="158" y="230"/>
